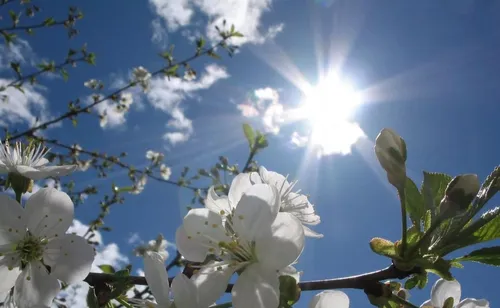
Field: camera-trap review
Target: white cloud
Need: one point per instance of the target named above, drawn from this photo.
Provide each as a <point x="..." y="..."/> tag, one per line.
<point x="134" y="238"/>
<point x="244" y="14"/>
<point x="168" y="95"/>
<point x="160" y="35"/>
<point x="26" y="108"/>
<point x="76" y="294"/>
<point x="264" y="103"/>
<point x="19" y="51"/>
<point x="298" y="140"/>
<point x="175" y="12"/>
<point x="113" y="116"/>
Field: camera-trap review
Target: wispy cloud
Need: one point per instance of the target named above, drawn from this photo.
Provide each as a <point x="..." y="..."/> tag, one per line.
<point x="264" y="103"/>
<point x="160" y="34"/>
<point x="246" y="15"/>
<point x="20" y="51"/>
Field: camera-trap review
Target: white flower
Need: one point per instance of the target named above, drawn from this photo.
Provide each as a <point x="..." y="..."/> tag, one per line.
<point x="84" y="165"/>
<point x="155" y="157"/>
<point x="390" y="149"/>
<point x="443" y="289"/>
<point x="159" y="245"/>
<point x="103" y="119"/>
<point x="189" y="75"/>
<point x="249" y="234"/>
<point x="29" y="161"/>
<point x="165" y="172"/>
<point x="142" y="76"/>
<point x="139" y="185"/>
<point x="126" y="100"/>
<point x="330" y="299"/>
<point x="292" y="202"/>
<point x="76" y="149"/>
<point x="187" y="293"/>
<point x="36" y="252"/>
<point x="92" y="84"/>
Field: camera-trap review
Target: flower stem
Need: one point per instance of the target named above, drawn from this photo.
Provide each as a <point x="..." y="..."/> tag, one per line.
<point x="123" y="302"/>
<point x="403" y="302"/>
<point x="402" y="199"/>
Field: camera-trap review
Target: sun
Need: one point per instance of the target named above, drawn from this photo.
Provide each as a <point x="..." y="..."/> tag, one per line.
<point x="329" y="108"/>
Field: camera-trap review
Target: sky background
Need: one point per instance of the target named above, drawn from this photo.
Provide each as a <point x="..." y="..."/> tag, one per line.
<point x="428" y="69"/>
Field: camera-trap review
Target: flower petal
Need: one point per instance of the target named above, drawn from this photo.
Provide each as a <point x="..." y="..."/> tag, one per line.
<point x="49" y="212"/>
<point x="427" y="304"/>
<point x="3" y="167"/>
<point x="310" y="233"/>
<point x="41" y="162"/>
<point x="284" y="245"/>
<point x="330" y="299"/>
<point x="58" y="170"/>
<point x="473" y="303"/>
<point x="211" y="282"/>
<point x="256" y="212"/>
<point x="443" y="289"/>
<point x="70" y="258"/>
<point x="290" y="271"/>
<point x="275" y="179"/>
<point x="205" y="227"/>
<point x="8" y="277"/>
<point x="256" y="288"/>
<point x="157" y="277"/>
<point x="239" y="185"/>
<point x="189" y="247"/>
<point x="12" y="220"/>
<point x="184" y="291"/>
<point x="35" y="286"/>
<point x="218" y="204"/>
<point x="30" y="172"/>
<point x="300" y="206"/>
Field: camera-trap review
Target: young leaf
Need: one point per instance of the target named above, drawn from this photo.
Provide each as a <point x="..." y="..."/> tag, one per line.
<point x="489" y="255"/>
<point x="108" y="269"/>
<point x="414" y="202"/>
<point x="433" y="189"/>
<point x="64" y="74"/>
<point x="49" y="21"/>
<point x="92" y="301"/>
<point x="383" y="247"/>
<point x="249" y="134"/>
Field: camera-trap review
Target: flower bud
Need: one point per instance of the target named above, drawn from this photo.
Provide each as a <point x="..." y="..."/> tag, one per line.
<point x="459" y="194"/>
<point x="390" y="149"/>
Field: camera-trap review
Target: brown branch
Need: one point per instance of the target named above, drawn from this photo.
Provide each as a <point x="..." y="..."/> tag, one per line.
<point x="363" y="282"/>
<point x="37" y="26"/>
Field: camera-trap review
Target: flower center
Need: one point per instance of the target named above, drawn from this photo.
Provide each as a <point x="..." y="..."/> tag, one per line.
<point x="238" y="251"/>
<point x="30" y="248"/>
<point x="26" y="155"/>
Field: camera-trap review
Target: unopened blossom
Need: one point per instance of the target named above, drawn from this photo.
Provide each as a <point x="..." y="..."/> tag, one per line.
<point x="92" y="84"/>
<point x="142" y="76"/>
<point x="139" y="185"/>
<point x="330" y="299"/>
<point x="443" y="289"/>
<point x="249" y="234"/>
<point x="126" y="100"/>
<point x="459" y="193"/>
<point x="35" y="250"/>
<point x="187" y="293"/>
<point x="165" y="172"/>
<point x="29" y="161"/>
<point x="83" y="165"/>
<point x="390" y="149"/>
<point x="76" y="149"/>
<point x="155" y="157"/>
<point x="103" y="119"/>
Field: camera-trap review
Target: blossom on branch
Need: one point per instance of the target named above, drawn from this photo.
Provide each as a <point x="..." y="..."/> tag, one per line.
<point x="165" y="172"/>
<point x="35" y="252"/>
<point x="249" y="234"/>
<point x="29" y="161"/>
<point x="330" y="299"/>
<point x="442" y="290"/>
<point x="142" y="76"/>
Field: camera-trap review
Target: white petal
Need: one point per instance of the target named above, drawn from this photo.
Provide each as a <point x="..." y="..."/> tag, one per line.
<point x="275" y="179"/>
<point x="184" y="291"/>
<point x="284" y="245"/>
<point x="205" y="227"/>
<point x="41" y="162"/>
<point x="473" y="303"/>
<point x="189" y="247"/>
<point x="12" y="220"/>
<point x="256" y="288"/>
<point x="239" y="185"/>
<point x="218" y="204"/>
<point x="49" y="212"/>
<point x="256" y="212"/>
<point x="157" y="277"/>
<point x="310" y="233"/>
<point x="291" y="271"/>
<point x="211" y="282"/>
<point x="35" y="286"/>
<point x="8" y="277"/>
<point x="300" y="206"/>
<point x="70" y="258"/>
<point x="30" y="172"/>
<point x="427" y="304"/>
<point x="54" y="171"/>
<point x="330" y="299"/>
<point x="443" y="289"/>
<point x="3" y="167"/>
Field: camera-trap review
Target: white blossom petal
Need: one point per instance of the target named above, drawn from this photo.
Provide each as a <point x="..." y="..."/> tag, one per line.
<point x="330" y="299"/>
<point x="218" y="204"/>
<point x="54" y="171"/>
<point x="12" y="220"/>
<point x="240" y="184"/>
<point x="49" y="212"/>
<point x="310" y="233"/>
<point x="444" y="289"/>
<point x="256" y="288"/>
<point x="300" y="206"/>
<point x="473" y="303"/>
<point x="189" y="247"/>
<point x="256" y="211"/>
<point x="284" y="245"/>
<point x="291" y="271"/>
<point x="41" y="162"/>
<point x="35" y="286"/>
<point x="157" y="277"/>
<point x="274" y="179"/>
<point x="70" y="258"/>
<point x="211" y="282"/>
<point x="184" y="291"/>
<point x="8" y="277"/>
<point x="205" y="226"/>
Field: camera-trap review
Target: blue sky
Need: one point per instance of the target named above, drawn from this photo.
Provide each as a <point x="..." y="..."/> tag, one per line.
<point x="427" y="69"/>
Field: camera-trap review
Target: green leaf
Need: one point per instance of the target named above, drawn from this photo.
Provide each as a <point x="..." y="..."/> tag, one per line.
<point x="414" y="202"/>
<point x="433" y="189"/>
<point x="200" y="43"/>
<point x="417" y="280"/>
<point x="486" y="228"/>
<point x="261" y="141"/>
<point x="436" y="265"/>
<point x="108" y="269"/>
<point x="237" y="34"/>
<point x="213" y="55"/>
<point x="413" y="235"/>
<point x="249" y="134"/>
<point x="92" y="301"/>
<point x="383" y="247"/>
<point x="64" y="74"/>
<point x="489" y="255"/>
<point x="90" y="58"/>
<point x="49" y="21"/>
<point x="14" y="17"/>
<point x="9" y="37"/>
<point x="16" y="67"/>
<point x="172" y="71"/>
